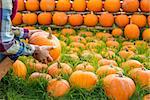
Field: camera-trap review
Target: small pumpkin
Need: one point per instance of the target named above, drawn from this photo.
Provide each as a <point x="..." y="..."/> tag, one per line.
<point x="85" y="66"/>
<point x="58" y="87"/>
<point x="75" y="19"/>
<point x="105" y="70"/>
<point x="140" y="76"/>
<point x="58" y="68"/>
<point x="130" y="5"/>
<point x="144" y="5"/>
<point x="106" y="19"/>
<point x="19" y="69"/>
<point x="90" y="20"/>
<point x="120" y="83"/>
<point x="60" y="18"/>
<point x="43" y="16"/>
<point x="139" y="20"/>
<point x="146" y="97"/>
<point x="101" y="35"/>
<point x="37" y="75"/>
<point x="83" y="79"/>
<point x="68" y="31"/>
<point x="77" y="45"/>
<point x="122" y="20"/>
<point x="146" y="34"/>
<point x="47" y="5"/>
<point x="21" y="5"/>
<point x="78" y="39"/>
<point x="63" y="5"/>
<point x="79" y="5"/>
<point x="112" y="5"/>
<point x="126" y="54"/>
<point x="17" y="19"/>
<point x="32" y="5"/>
<point x="94" y="5"/>
<point x="103" y="62"/>
<point x="132" y="31"/>
<point x="27" y="18"/>
<point x="112" y="44"/>
<point x="116" y="32"/>
<point x="85" y="34"/>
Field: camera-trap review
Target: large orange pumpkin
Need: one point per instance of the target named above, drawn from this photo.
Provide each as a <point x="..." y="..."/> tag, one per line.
<point x="27" y="18"/>
<point x="117" y="32"/>
<point x="79" y="5"/>
<point x="140" y="76"/>
<point x="83" y="79"/>
<point x="47" y="5"/>
<point x="60" y="18"/>
<point x="145" y="5"/>
<point x="63" y="5"/>
<point x="112" y="5"/>
<point x="94" y="5"/>
<point x="32" y="5"/>
<point x="130" y="5"/>
<point x="106" y="19"/>
<point x="122" y="20"/>
<point x="146" y="34"/>
<point x="107" y="70"/>
<point x="117" y="85"/>
<point x="132" y="31"/>
<point x="58" y="87"/>
<point x="43" y="41"/>
<point x="58" y="68"/>
<point x="17" y="19"/>
<point x="90" y="20"/>
<point x="43" y="16"/>
<point x="139" y="20"/>
<point x="19" y="69"/>
<point x="76" y="19"/>
<point x="21" y="5"/>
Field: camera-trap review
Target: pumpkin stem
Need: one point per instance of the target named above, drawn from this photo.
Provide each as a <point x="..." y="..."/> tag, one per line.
<point x="120" y="74"/>
<point x="59" y="65"/>
<point x="50" y="32"/>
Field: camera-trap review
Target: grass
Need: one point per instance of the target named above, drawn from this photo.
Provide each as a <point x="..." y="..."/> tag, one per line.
<point x="14" y="88"/>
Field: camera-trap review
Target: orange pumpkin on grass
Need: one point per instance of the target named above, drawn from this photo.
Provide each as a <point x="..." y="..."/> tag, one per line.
<point x="43" y="16"/>
<point x="85" y="66"/>
<point x="37" y="75"/>
<point x="47" y="5"/>
<point x="146" y="97"/>
<point x="146" y="34"/>
<point x="117" y="32"/>
<point x="68" y="31"/>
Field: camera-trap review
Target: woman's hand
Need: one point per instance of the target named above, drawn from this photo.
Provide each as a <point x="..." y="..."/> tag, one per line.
<point x="42" y="54"/>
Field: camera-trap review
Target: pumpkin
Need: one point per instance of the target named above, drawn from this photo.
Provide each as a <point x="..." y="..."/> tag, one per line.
<point x="78" y="39"/>
<point x="85" y="34"/>
<point x="75" y="19"/>
<point x="117" y="32"/>
<point x="112" y="44"/>
<point x="130" y="64"/>
<point x="129" y="48"/>
<point x="112" y="5"/>
<point x="58" y="68"/>
<point x="122" y="20"/>
<point x="32" y="5"/>
<point x="43" y="16"/>
<point x="101" y="35"/>
<point x="107" y="70"/>
<point x="85" y="66"/>
<point x="139" y="20"/>
<point x="106" y="19"/>
<point x="126" y="54"/>
<point x="60" y="18"/>
<point x="27" y="18"/>
<point x="148" y="20"/>
<point x="79" y="5"/>
<point x="19" y="69"/>
<point x="17" y="19"/>
<point x="47" y="5"/>
<point x="140" y="76"/>
<point x="127" y="43"/>
<point x="130" y="5"/>
<point x="94" y="5"/>
<point x="146" y="34"/>
<point x="117" y="85"/>
<point x="63" y="5"/>
<point x="77" y="45"/>
<point x="146" y="97"/>
<point x="103" y="62"/>
<point x="144" y="5"/>
<point x="37" y="39"/>
<point x="83" y="79"/>
<point x="37" y="75"/>
<point x="58" y="87"/>
<point x="68" y="31"/>
<point x="90" y="20"/>
<point x="37" y="66"/>
<point x="132" y="31"/>
<point x="21" y="5"/>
